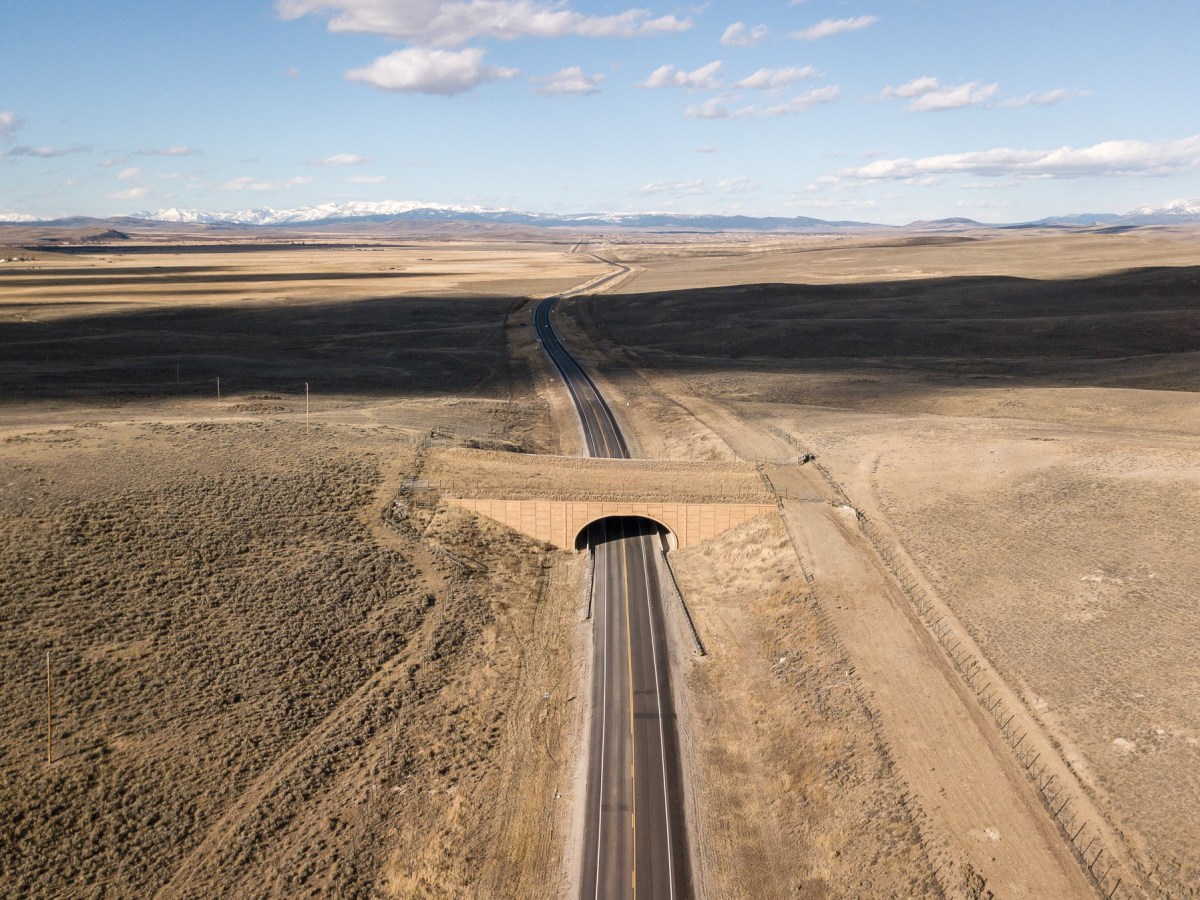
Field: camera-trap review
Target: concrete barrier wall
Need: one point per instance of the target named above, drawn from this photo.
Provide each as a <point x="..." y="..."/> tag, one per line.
<point x="559" y="522"/>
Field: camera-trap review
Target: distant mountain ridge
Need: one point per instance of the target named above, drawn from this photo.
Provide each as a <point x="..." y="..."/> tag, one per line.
<point x="416" y="211"/>
<point x="411" y="210"/>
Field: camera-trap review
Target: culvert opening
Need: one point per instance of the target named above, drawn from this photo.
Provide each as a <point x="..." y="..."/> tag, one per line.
<point x="611" y="528"/>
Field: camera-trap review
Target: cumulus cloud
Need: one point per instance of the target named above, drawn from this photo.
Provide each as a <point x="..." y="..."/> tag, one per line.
<point x="798" y="104"/>
<point x="773" y="79"/>
<point x="712" y="108"/>
<point x="46" y="152"/>
<point x="914" y="88"/>
<point x="112" y="161"/>
<point x="181" y="150"/>
<point x="830" y="27"/>
<point x="418" y="70"/>
<point x="447" y="24"/>
<point x="129" y="174"/>
<point x="718" y="107"/>
<point x="1107" y="159"/>
<point x="704" y="78"/>
<point x="135" y="193"/>
<point x="246" y="183"/>
<point x="927" y="95"/>
<point x="970" y="94"/>
<point x="340" y="159"/>
<point x="367" y="179"/>
<point x="673" y="187"/>
<point x="738" y="185"/>
<point x="9" y="123"/>
<point x="1043" y="98"/>
<point x="739" y="34"/>
<point x="570" y="80"/>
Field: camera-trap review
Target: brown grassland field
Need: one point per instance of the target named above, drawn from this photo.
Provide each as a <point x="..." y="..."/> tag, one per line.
<point x="278" y="671"/>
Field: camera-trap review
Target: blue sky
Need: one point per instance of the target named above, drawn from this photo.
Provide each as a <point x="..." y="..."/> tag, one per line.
<point x="880" y="110"/>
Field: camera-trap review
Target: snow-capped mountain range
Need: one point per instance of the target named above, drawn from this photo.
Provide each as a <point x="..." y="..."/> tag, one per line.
<point x="411" y="210"/>
<point x="1174" y="212"/>
<point x="1180" y="208"/>
<point x="325" y="212"/>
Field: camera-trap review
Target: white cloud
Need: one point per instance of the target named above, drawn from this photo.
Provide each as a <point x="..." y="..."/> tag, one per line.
<point x="707" y="149"/>
<point x="570" y="80"/>
<point x="673" y="187"/>
<point x="772" y="79"/>
<point x="705" y="78"/>
<point x="9" y="123"/>
<point x="291" y="72"/>
<point x="925" y="180"/>
<point x="839" y="203"/>
<point x="45" y="152"/>
<point x="367" y="179"/>
<point x="128" y="174"/>
<point x="246" y="183"/>
<point x="113" y="161"/>
<point x="984" y="204"/>
<point x="738" y="185"/>
<point x="447" y="24"/>
<point x="718" y="107"/>
<point x="1107" y="159"/>
<point x="340" y="159"/>
<point x="418" y="70"/>
<point x="798" y="104"/>
<point x="712" y="108"/>
<point x="136" y="193"/>
<point x="970" y="94"/>
<point x="829" y="27"/>
<point x="739" y="34"/>
<point x="181" y="150"/>
<point x="1043" y="98"/>
<point x="915" y="88"/>
<point x="926" y="94"/>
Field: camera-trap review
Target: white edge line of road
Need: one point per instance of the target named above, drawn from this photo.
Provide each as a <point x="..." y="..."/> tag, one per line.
<point x="603" y="731"/>
<point x="662" y="740"/>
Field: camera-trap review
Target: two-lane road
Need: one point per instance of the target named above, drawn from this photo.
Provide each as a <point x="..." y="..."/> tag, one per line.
<point x="635" y="842"/>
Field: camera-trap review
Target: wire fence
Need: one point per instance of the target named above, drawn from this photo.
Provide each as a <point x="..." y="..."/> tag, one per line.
<point x="1113" y="879"/>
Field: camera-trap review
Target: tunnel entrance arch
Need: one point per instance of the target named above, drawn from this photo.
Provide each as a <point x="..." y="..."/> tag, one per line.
<point x="608" y="527"/>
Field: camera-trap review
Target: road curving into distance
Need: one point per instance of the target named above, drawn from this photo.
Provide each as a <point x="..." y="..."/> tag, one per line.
<point x="634" y="841"/>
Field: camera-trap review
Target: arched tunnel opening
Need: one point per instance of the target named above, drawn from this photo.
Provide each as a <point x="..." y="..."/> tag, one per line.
<point x="611" y="528"/>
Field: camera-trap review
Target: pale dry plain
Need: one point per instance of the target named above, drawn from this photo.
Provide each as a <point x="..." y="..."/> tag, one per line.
<point x="1016" y="417"/>
<point x="279" y="671"/>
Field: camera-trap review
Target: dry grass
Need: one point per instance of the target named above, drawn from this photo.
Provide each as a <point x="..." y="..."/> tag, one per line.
<point x="1069" y="550"/>
<point x="515" y="476"/>
<point x="800" y="793"/>
<point x="1025" y="426"/>
<point x="261" y="690"/>
<point x="265" y="691"/>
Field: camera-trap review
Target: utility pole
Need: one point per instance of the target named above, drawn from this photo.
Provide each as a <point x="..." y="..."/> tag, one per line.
<point x="306" y="407"/>
<point x="218" y="387"/>
<point x="49" y="720"/>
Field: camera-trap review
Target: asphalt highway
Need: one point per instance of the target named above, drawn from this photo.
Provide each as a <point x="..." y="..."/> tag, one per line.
<point x="635" y="843"/>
